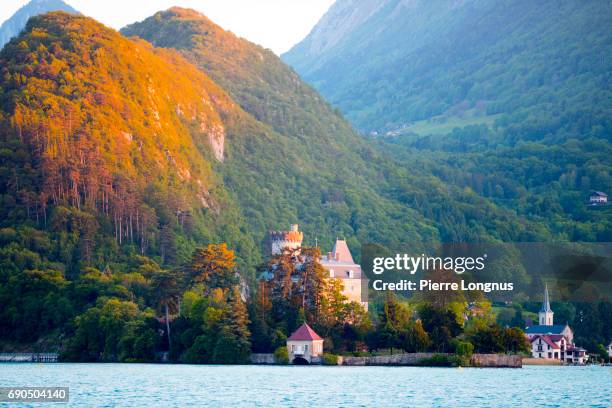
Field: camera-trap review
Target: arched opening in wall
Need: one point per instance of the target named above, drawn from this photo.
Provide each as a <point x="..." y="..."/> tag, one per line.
<point x="300" y="361"/>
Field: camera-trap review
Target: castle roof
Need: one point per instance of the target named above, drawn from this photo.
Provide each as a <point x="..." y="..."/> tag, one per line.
<point x="342" y="252"/>
<point x="304" y="333"/>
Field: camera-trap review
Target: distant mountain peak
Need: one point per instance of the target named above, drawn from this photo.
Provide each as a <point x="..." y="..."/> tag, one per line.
<point x="17" y="22"/>
<point x="185" y="12"/>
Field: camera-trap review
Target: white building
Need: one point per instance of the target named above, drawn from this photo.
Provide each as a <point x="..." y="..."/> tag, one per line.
<point x="549" y="346"/>
<point x="340" y="265"/>
<point x="304" y="346"/>
<point x="598" y="198"/>
<point x="553" y="342"/>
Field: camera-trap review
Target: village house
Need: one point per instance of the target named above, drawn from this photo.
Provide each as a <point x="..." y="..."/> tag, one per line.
<point x="553" y="342"/>
<point x="304" y="346"/>
<point x="598" y="198"/>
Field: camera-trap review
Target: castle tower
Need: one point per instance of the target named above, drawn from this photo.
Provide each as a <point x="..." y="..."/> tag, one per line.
<point x="546" y="313"/>
<point x="291" y="240"/>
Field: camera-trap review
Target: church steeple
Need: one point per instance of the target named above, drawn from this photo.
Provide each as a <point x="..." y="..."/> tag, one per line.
<point x="546" y="313"/>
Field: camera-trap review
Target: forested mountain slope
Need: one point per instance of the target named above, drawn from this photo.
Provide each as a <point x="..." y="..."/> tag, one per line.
<point x="339" y="183"/>
<point x="111" y="142"/>
<point x="389" y="63"/>
<point x="510" y="99"/>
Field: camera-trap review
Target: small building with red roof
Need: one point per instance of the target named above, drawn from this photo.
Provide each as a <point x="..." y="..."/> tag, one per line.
<point x="304" y="346"/>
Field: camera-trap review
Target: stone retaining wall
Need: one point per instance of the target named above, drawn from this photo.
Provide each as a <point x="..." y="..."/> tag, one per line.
<point x="412" y="359"/>
<point x="392" y="359"/>
<point x="407" y="359"/>
<point x="263" y="358"/>
<point x="496" y="360"/>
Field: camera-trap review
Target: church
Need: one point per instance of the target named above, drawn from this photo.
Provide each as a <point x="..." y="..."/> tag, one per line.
<point x="553" y="342"/>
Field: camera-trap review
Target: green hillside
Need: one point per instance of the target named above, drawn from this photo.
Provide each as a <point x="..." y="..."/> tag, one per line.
<point x="406" y="62"/>
<point x="317" y="171"/>
<point x="509" y="99"/>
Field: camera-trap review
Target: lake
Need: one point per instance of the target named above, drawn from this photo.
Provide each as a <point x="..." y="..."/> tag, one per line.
<point x="142" y="385"/>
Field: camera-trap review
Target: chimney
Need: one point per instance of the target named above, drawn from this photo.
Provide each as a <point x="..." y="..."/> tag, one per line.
<point x="294" y="227"/>
<point x="337" y="256"/>
<point x="329" y="256"/>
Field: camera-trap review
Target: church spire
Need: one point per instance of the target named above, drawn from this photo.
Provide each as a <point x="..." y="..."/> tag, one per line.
<point x="546" y="314"/>
<point x="546" y="302"/>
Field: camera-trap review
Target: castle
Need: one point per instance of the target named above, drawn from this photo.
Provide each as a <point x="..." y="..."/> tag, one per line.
<point x="553" y="342"/>
<point x="338" y="262"/>
<point x="281" y="241"/>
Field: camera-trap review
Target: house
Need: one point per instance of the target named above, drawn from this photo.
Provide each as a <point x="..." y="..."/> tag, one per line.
<point x="340" y="265"/>
<point x="576" y="355"/>
<point x="598" y="198"/>
<point x="553" y="341"/>
<point x="549" y="346"/>
<point x="304" y="346"/>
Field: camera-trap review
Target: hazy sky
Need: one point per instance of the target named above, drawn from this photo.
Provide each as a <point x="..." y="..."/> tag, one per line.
<point x="275" y="24"/>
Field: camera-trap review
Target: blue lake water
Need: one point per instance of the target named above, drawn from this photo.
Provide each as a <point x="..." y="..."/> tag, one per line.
<point x="144" y="385"/>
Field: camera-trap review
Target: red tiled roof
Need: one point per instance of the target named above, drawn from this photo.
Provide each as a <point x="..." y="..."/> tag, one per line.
<point x="304" y="333"/>
<point x="546" y="340"/>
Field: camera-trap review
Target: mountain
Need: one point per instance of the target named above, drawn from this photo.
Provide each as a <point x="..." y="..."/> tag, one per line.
<point x="314" y="168"/>
<point x="113" y="149"/>
<point x="112" y="142"/>
<point x="390" y="64"/>
<point x="509" y="99"/>
<point x="13" y="26"/>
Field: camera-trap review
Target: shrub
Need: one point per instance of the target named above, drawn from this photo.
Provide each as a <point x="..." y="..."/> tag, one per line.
<point x="281" y="355"/>
<point x="330" y="359"/>
<point x="438" y="360"/>
<point x="464" y="349"/>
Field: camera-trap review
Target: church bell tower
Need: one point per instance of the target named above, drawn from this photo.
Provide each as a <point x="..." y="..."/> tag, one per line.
<point x="546" y="313"/>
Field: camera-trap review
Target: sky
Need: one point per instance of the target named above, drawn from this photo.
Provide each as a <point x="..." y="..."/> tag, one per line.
<point x="275" y="24"/>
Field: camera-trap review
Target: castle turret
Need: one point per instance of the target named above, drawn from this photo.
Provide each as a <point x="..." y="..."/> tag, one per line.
<point x="546" y="313"/>
<point x="291" y="240"/>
